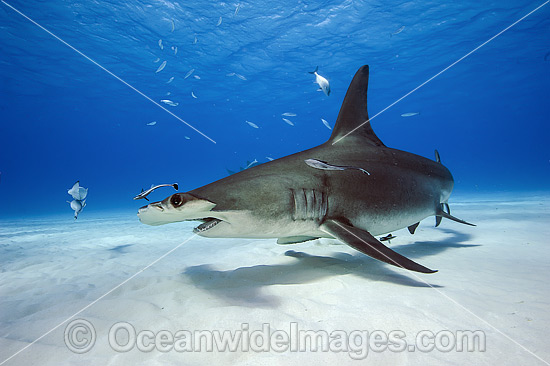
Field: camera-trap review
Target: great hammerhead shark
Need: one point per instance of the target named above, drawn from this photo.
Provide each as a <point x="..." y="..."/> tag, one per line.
<point x="296" y="201"/>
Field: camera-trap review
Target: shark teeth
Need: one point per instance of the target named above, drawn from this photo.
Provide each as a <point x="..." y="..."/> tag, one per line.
<point x="207" y="225"/>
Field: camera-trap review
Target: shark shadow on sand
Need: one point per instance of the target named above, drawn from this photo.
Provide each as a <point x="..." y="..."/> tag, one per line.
<point x="243" y="286"/>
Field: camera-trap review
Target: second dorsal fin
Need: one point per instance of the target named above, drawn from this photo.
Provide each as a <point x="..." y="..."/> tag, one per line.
<point x="353" y="119"/>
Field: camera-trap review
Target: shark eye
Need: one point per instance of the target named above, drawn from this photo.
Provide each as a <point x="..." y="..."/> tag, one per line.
<point x="176" y="200"/>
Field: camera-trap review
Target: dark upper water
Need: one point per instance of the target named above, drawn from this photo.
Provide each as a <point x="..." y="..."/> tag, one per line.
<point x="64" y="118"/>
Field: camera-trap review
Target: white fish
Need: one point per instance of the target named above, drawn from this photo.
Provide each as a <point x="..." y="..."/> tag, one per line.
<point x="193" y="95"/>
<point x="170" y="80"/>
<point x="326" y="124"/>
<point x="288" y="121"/>
<point x="323" y="83"/>
<point x="162" y="66"/>
<point x="318" y="164"/>
<point x="197" y="77"/>
<point x="187" y="137"/>
<point x="251" y="163"/>
<point x="157" y="60"/>
<point x="410" y="114"/>
<point x="77" y="206"/>
<point x="160" y="44"/>
<point x="169" y="102"/>
<point x="230" y="74"/>
<point x="240" y="76"/>
<point x="288" y="114"/>
<point x="237" y="10"/>
<point x="173" y="25"/>
<point x="196" y="40"/>
<point x="398" y="31"/>
<point x="252" y="124"/>
<point x="168" y="93"/>
<point x="269" y="158"/>
<point x="219" y="22"/>
<point x="152" y="123"/>
<point x="189" y="73"/>
<point x="175" y="50"/>
<point x="77" y="192"/>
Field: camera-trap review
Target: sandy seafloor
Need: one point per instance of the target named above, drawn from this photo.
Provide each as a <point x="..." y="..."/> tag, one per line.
<point x="493" y="277"/>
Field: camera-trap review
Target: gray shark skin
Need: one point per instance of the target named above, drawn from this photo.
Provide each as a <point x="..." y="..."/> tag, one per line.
<point x="291" y="201"/>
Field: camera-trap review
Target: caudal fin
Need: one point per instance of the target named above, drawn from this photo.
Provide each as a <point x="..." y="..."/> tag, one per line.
<point x="313" y="72"/>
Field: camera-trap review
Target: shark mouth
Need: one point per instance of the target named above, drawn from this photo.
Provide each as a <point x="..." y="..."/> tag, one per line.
<point x="208" y="224"/>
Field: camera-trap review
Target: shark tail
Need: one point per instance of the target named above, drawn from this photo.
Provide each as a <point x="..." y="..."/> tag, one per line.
<point x="313" y="72"/>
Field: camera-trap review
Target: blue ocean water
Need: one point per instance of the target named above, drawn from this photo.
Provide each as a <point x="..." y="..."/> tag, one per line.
<point x="65" y="118"/>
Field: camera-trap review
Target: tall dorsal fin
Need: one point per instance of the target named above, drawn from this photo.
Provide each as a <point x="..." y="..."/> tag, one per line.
<point x="353" y="112"/>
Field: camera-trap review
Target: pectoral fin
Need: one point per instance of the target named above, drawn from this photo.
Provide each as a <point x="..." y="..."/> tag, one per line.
<point x="364" y="242"/>
<point x="295" y="239"/>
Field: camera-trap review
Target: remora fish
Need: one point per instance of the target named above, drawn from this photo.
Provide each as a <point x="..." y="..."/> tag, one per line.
<point x="144" y="194"/>
<point x="280" y="199"/>
<point x="323" y="83"/>
<point x="318" y="164"/>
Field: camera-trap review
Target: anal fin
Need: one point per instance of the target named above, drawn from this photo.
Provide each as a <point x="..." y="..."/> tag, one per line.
<point x="364" y="242"/>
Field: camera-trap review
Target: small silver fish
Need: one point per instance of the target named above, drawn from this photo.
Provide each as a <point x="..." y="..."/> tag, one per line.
<point x="240" y="76"/>
<point x="269" y="158"/>
<point x="251" y="163"/>
<point x="168" y="94"/>
<point x="237" y="10"/>
<point x="161" y="67"/>
<point x="219" y="22"/>
<point x="193" y="95"/>
<point x="398" y="31"/>
<point x="173" y="25"/>
<point x="326" y="124"/>
<point x="152" y="123"/>
<point x="175" y="50"/>
<point x="144" y="194"/>
<point x="187" y="137"/>
<point x="288" y="114"/>
<point x="318" y="164"/>
<point x="288" y="121"/>
<point x="252" y="124"/>
<point x="323" y="83"/>
<point x="157" y="60"/>
<point x="230" y="74"/>
<point x="170" y="80"/>
<point x="410" y="114"/>
<point x="197" y="77"/>
<point x="169" y="102"/>
<point x="189" y="73"/>
<point x="195" y="40"/>
<point x="160" y="44"/>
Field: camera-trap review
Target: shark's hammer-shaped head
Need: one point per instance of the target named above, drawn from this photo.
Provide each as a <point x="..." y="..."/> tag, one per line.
<point x="179" y="207"/>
